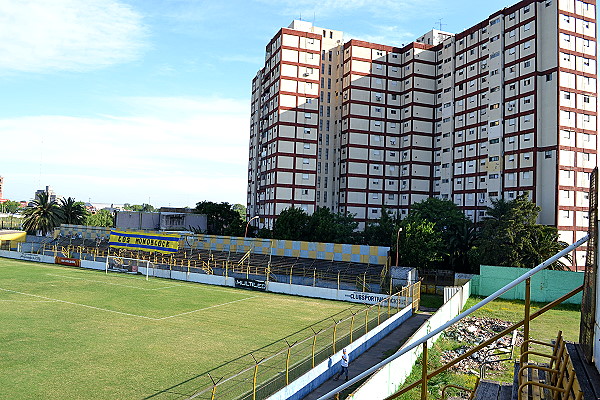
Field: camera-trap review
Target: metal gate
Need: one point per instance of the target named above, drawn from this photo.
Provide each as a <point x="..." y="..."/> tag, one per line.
<point x="588" y="302"/>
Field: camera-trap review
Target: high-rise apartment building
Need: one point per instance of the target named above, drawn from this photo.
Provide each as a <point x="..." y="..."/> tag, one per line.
<point x="505" y="107"/>
<point x="1" y="186"/>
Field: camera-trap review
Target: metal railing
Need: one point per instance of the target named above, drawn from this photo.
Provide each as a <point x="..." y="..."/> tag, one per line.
<point x="193" y="261"/>
<point x="270" y="373"/>
<point x="423" y="341"/>
<point x="263" y="372"/>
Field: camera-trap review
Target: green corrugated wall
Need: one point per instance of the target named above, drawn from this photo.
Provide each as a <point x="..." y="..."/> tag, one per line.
<point x="546" y="285"/>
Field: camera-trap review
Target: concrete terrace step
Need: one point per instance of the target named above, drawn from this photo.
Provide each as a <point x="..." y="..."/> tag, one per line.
<point x="489" y="390"/>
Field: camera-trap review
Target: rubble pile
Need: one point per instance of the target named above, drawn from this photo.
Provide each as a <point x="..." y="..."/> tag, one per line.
<point x="473" y="331"/>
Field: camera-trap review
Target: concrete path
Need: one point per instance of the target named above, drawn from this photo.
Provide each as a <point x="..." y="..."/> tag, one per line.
<point x="375" y="354"/>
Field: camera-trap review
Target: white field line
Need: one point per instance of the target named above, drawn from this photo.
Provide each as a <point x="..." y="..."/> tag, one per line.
<point x="207" y="308"/>
<point x="30" y="301"/>
<point x="124" y="313"/>
<point x="204" y="286"/>
<point x="81" y="305"/>
<point x="111" y="283"/>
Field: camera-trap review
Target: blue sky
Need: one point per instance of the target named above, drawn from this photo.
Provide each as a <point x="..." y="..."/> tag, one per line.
<point x="148" y="101"/>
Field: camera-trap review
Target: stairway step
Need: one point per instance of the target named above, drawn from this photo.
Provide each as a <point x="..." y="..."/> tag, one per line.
<point x="505" y="391"/>
<point x="490" y="390"/>
<point x="515" y="385"/>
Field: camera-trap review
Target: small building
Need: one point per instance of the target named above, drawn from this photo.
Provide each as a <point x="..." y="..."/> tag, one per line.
<point x="180" y="220"/>
<point x="10" y="238"/>
<point x="52" y="196"/>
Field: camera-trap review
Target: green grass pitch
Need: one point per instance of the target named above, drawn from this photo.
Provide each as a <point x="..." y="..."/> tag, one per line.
<point x="71" y="333"/>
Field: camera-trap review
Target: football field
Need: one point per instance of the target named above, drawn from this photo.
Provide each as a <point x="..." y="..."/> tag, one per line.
<point x="69" y="333"/>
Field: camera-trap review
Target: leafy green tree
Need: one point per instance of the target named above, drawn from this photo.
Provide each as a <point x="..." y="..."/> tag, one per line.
<point x="383" y="231"/>
<point x="101" y="218"/>
<point x="511" y="237"/>
<point x="74" y="213"/>
<point x="44" y="216"/>
<point x="460" y="244"/>
<point x="443" y="213"/>
<point x="420" y="244"/>
<point x="328" y="227"/>
<point x="504" y="232"/>
<point x="221" y="218"/>
<point x="241" y="209"/>
<point x="346" y="227"/>
<point x="148" y="208"/>
<point x="139" y="207"/>
<point x="10" y="207"/>
<point x="457" y="231"/>
<point x="541" y="244"/>
<point x="292" y="224"/>
<point x="264" y="233"/>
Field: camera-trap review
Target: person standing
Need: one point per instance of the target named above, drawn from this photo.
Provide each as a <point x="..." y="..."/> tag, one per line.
<point x="344" y="364"/>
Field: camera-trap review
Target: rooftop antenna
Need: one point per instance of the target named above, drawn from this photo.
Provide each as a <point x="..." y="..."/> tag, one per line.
<point x="300" y="16"/>
<point x="439" y="22"/>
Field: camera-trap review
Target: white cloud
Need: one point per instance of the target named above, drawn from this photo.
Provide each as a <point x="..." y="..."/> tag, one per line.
<point x="71" y="35"/>
<point x="200" y="153"/>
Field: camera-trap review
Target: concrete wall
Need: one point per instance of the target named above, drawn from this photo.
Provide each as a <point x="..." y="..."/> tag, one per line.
<point x="389" y="378"/>
<point x="546" y="285"/>
<point x="274" y="287"/>
<point x="134" y="220"/>
<point x="325" y="370"/>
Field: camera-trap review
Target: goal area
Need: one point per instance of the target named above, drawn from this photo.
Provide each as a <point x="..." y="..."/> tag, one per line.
<point x="128" y="265"/>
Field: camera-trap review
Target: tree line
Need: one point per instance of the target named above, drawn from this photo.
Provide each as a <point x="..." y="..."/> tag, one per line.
<point x="46" y="214"/>
<point x="435" y="234"/>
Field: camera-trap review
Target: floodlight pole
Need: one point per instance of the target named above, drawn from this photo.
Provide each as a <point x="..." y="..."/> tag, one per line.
<point x="248" y="225"/>
<point x="397" y="244"/>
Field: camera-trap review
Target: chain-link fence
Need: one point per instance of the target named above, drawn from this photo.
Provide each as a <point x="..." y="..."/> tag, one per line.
<point x="271" y="372"/>
<point x="306" y="272"/>
<point x="262" y="372"/>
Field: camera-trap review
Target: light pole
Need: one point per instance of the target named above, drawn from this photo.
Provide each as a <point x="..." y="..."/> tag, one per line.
<point x="397" y="242"/>
<point x="248" y="224"/>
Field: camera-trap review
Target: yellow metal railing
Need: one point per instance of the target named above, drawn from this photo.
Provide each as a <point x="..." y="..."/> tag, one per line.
<point x="429" y="375"/>
<point x="528" y="316"/>
<point x="295" y="359"/>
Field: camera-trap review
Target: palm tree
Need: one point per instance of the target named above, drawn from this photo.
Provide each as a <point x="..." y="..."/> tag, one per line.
<point x="44" y="216"/>
<point x="461" y="241"/>
<point x="543" y="242"/>
<point x="74" y="213"/>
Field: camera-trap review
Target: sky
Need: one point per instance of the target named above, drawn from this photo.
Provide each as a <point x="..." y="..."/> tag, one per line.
<point x="148" y="101"/>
